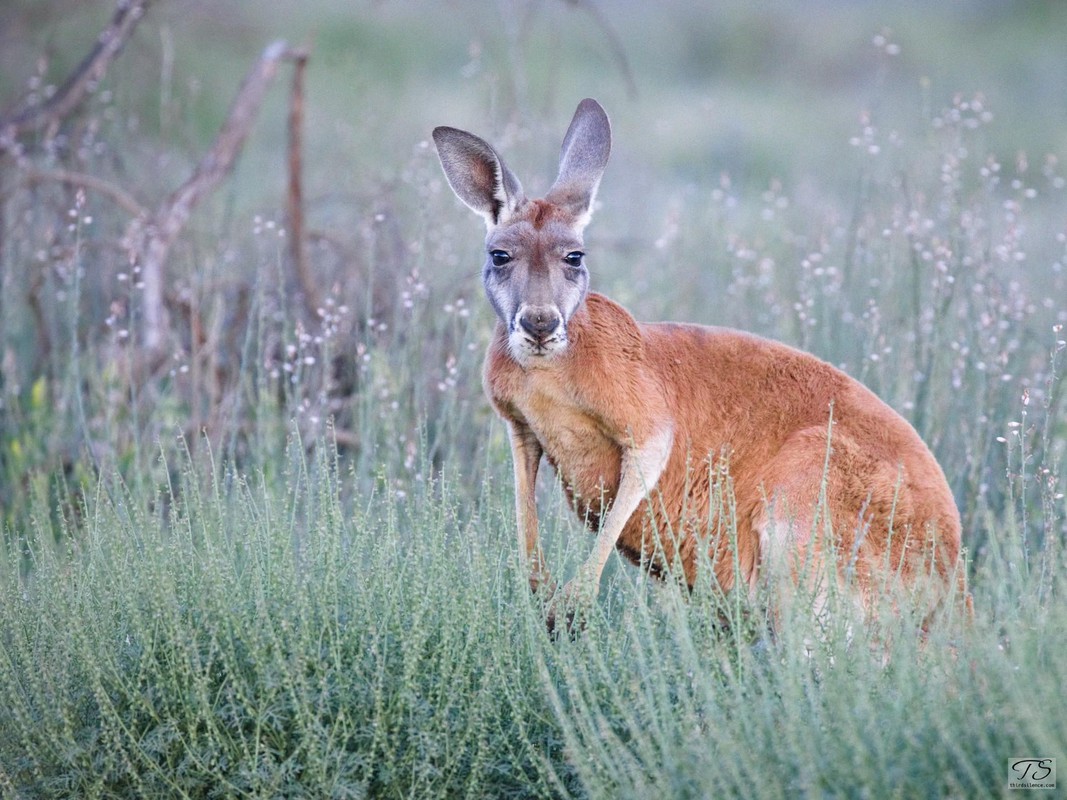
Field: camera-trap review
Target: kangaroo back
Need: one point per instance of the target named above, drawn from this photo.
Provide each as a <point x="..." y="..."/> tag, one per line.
<point x="669" y="436"/>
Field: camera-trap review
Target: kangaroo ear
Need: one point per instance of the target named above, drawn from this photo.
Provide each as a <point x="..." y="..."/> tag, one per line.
<point x="477" y="174"/>
<point x="582" y="160"/>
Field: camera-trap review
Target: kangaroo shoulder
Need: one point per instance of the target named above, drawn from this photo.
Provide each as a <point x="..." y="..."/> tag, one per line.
<point x="606" y="329"/>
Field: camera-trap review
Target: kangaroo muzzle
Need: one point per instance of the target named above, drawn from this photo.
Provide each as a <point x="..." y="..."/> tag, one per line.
<point x="537" y="333"/>
<point x="539" y="323"/>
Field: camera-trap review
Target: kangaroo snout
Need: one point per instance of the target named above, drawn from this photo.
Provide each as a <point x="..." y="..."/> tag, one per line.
<point x="540" y="322"/>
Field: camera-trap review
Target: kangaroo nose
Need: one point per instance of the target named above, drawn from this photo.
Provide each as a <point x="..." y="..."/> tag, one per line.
<point x="540" y="322"/>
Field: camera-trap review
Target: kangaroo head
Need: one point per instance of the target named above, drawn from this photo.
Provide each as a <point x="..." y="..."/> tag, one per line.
<point x="535" y="274"/>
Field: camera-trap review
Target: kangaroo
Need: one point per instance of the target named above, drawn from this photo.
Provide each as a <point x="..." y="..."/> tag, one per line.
<point x="648" y="423"/>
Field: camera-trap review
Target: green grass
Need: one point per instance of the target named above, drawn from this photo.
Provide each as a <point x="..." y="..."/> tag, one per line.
<point x="227" y="634"/>
<point x="248" y="639"/>
<point x="282" y="562"/>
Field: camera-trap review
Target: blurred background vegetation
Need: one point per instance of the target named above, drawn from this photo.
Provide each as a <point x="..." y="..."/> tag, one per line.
<point x="761" y="92"/>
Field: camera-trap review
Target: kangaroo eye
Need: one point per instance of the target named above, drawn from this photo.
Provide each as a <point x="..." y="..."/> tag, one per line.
<point x="499" y="257"/>
<point x="574" y="258"/>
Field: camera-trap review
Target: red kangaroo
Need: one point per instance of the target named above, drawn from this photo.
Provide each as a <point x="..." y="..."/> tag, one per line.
<point x="648" y="423"/>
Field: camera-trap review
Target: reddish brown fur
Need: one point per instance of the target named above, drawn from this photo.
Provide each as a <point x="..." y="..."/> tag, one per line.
<point x="670" y="438"/>
<point x="753" y="408"/>
<point x="540" y="213"/>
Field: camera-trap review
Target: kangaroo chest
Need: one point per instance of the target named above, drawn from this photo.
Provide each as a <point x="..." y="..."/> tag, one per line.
<point x="587" y="459"/>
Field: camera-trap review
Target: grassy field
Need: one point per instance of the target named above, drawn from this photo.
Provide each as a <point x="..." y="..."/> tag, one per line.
<point x="275" y="556"/>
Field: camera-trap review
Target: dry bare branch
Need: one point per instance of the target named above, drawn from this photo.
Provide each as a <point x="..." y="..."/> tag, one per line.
<point x="156" y="238"/>
<point x="295" y="199"/>
<point x="150" y="236"/>
<point x="111" y="191"/>
<point x="614" y="42"/>
<point x="74" y="89"/>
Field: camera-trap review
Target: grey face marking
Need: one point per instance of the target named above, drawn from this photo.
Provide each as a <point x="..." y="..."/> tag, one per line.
<point x="535" y="278"/>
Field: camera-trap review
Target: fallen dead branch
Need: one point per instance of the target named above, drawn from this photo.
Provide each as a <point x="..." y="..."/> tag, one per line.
<point x="150" y="241"/>
<point x="119" y="196"/>
<point x="150" y="235"/>
<point x="69" y="95"/>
